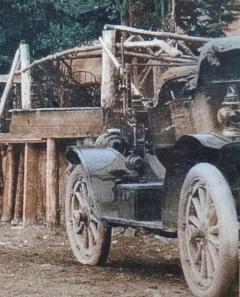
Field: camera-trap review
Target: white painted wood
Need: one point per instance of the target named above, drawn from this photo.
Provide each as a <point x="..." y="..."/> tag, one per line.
<point x="109" y="67"/>
<point x="108" y="73"/>
<point x="167" y="48"/>
<point x="25" y="77"/>
<point x="156" y="33"/>
<point x="4" y="79"/>
<point x="52" y="184"/>
<point x="9" y="82"/>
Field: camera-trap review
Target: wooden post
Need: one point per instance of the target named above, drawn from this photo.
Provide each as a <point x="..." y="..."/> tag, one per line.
<point x="108" y="70"/>
<point x="30" y="185"/>
<point x="25" y="76"/>
<point x="8" y="192"/>
<point x="52" y="189"/>
<point x="9" y="82"/>
<point x="18" y="212"/>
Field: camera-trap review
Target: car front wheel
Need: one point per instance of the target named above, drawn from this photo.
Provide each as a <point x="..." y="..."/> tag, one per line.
<point x="208" y="232"/>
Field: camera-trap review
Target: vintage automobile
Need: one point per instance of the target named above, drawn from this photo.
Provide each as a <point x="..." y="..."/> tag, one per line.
<point x="172" y="169"/>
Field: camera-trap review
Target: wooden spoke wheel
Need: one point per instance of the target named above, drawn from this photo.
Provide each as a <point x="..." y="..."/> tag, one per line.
<point x="89" y="238"/>
<point x="208" y="232"/>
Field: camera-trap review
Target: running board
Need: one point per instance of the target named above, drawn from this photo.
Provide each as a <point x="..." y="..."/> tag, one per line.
<point x="158" y="225"/>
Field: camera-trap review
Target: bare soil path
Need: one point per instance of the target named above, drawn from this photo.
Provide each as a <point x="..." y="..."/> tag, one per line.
<point x="35" y="262"/>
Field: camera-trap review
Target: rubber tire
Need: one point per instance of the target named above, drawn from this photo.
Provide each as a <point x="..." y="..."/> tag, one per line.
<point x="228" y="230"/>
<point x="102" y="248"/>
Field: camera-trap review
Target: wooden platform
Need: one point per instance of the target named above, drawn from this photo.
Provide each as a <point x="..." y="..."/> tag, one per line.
<point x="33" y="165"/>
<point x="57" y="122"/>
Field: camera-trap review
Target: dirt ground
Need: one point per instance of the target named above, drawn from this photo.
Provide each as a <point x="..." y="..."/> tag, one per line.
<point x="36" y="262"/>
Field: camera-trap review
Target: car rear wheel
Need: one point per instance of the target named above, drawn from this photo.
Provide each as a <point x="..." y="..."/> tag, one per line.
<point x="90" y="239"/>
<point x="208" y="232"/>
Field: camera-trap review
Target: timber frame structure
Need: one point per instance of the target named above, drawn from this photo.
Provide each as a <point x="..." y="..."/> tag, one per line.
<point x="130" y="64"/>
<point x="151" y="130"/>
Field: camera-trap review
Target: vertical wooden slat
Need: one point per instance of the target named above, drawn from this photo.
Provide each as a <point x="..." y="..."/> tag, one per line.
<point x="63" y="165"/>
<point x="3" y="170"/>
<point x="30" y="184"/>
<point x="25" y="76"/>
<point x="41" y="203"/>
<point x="8" y="192"/>
<point x="52" y="180"/>
<point x="18" y="211"/>
<point x="108" y="70"/>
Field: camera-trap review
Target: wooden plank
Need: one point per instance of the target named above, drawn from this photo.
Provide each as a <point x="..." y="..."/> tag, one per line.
<point x="156" y="33"/>
<point x="6" y="138"/>
<point x="9" y="186"/>
<point x="5" y="77"/>
<point x="108" y="70"/>
<point x="25" y="76"/>
<point x="18" y="211"/>
<point x="52" y="191"/>
<point x="9" y="82"/>
<point x="3" y="170"/>
<point x="63" y="165"/>
<point x="41" y="190"/>
<point x="30" y="184"/>
<point x="52" y="124"/>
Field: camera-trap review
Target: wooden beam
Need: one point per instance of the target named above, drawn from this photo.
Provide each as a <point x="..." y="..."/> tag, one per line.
<point x="30" y="185"/>
<point x="25" y="77"/>
<point x="18" y="211"/>
<point x="63" y="55"/>
<point x="4" y="79"/>
<point x="9" y="186"/>
<point x="161" y="58"/>
<point x="108" y="76"/>
<point x="156" y="33"/>
<point x="56" y="124"/>
<point x="14" y="139"/>
<point x="52" y="185"/>
<point x="167" y="48"/>
<point x="108" y="69"/>
<point x="9" y="82"/>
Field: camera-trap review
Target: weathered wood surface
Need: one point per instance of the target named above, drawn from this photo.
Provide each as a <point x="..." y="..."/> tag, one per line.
<point x="108" y="69"/>
<point x="9" y="185"/>
<point x="108" y="78"/>
<point x="33" y="183"/>
<point x="30" y="185"/>
<point x="18" y="208"/>
<point x="167" y="48"/>
<point x="5" y="77"/>
<point x="160" y="58"/>
<point x="72" y="51"/>
<point x="25" y="76"/>
<point x="156" y="33"/>
<point x="52" y="180"/>
<point x="9" y="82"/>
<point x="58" y="123"/>
<point x="7" y="138"/>
<point x="63" y="165"/>
<point x="41" y="186"/>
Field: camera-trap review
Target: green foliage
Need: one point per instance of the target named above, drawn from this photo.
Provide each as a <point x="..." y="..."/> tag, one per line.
<point x="198" y="17"/>
<point x="51" y="25"/>
<point x="143" y="13"/>
<point x="208" y="18"/>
